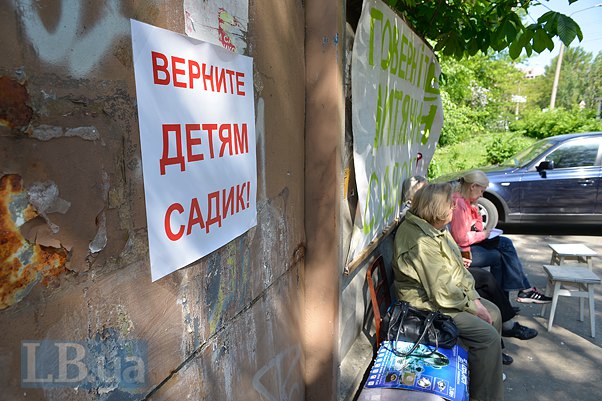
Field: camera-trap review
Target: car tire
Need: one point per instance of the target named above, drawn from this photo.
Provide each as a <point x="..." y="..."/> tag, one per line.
<point x="488" y="212"/>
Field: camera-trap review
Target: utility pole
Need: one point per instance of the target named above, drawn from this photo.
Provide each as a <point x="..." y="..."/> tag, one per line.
<point x="559" y="63"/>
<point x="556" y="77"/>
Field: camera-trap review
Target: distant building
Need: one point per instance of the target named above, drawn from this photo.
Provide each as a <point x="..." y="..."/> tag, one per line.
<point x="531" y="71"/>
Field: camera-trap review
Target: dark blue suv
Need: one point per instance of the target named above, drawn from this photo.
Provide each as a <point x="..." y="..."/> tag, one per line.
<point x="557" y="179"/>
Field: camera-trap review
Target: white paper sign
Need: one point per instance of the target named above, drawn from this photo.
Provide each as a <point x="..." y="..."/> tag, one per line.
<point x="397" y="115"/>
<point x="197" y="132"/>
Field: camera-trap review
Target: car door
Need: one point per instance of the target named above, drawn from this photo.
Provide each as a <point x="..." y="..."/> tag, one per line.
<point x="571" y="187"/>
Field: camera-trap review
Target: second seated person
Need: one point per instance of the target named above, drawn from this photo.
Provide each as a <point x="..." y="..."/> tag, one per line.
<point x="430" y="274"/>
<point x="499" y="252"/>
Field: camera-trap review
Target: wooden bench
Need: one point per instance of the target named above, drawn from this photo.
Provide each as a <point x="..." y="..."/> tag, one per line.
<point x="579" y="252"/>
<point x="575" y="276"/>
<point x="378" y="284"/>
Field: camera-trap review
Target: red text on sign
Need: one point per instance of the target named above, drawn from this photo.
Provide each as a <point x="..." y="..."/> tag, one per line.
<point x="200" y="140"/>
<point x="184" y="73"/>
<point x="194" y="219"/>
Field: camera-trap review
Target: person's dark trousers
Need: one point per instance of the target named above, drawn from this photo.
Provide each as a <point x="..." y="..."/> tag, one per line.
<point x="488" y="288"/>
<point x="503" y="261"/>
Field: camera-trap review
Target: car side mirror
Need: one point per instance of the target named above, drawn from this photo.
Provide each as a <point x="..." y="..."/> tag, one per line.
<point x="543" y="166"/>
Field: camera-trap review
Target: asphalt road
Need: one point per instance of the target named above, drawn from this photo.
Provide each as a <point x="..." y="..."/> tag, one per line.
<point x="564" y="364"/>
<point x="559" y="230"/>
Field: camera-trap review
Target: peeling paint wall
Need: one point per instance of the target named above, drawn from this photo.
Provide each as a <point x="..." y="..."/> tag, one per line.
<point x="24" y="263"/>
<point x="73" y="242"/>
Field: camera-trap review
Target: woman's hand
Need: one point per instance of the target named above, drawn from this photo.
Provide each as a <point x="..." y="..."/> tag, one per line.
<point x="466" y="262"/>
<point x="482" y="312"/>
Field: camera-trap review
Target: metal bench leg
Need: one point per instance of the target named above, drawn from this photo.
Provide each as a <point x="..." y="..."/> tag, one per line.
<point x="554" y="303"/>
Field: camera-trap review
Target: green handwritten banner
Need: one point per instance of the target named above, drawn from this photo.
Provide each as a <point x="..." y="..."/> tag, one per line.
<point x="397" y="115"/>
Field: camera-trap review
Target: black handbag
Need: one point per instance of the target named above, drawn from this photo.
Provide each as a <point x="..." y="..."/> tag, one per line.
<point x="403" y="322"/>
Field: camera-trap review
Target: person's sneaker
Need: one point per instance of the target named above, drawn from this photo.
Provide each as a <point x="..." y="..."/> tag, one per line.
<point x="532" y="296"/>
<point x="507" y="359"/>
<point x="519" y="331"/>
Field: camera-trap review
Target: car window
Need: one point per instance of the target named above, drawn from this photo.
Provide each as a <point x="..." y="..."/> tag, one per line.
<point x="575" y="154"/>
<point x="524" y="157"/>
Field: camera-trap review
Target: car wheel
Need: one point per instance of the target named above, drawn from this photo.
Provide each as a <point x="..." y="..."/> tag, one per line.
<point x="488" y="213"/>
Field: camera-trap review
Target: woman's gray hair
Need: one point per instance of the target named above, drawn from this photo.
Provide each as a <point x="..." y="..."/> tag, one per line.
<point x="472" y="177"/>
<point x="410" y="186"/>
<point x="432" y="203"/>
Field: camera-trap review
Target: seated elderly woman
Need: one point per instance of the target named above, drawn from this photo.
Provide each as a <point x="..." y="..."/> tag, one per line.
<point x="499" y="252"/>
<point x="430" y="274"/>
<point x="410" y="186"/>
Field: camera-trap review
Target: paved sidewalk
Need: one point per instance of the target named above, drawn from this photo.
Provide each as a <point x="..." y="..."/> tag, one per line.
<point x="566" y="363"/>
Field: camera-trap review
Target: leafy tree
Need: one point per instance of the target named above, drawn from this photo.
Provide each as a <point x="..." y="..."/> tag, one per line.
<point x="502" y="148"/>
<point x="477" y="95"/>
<point x="540" y="124"/>
<point x="580" y="80"/>
<point x="593" y="91"/>
<point x="462" y="28"/>
<point x="574" y="74"/>
<point x="538" y="90"/>
<point x="461" y="122"/>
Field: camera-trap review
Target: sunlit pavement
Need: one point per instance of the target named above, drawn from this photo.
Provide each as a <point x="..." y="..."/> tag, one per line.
<point x="565" y="363"/>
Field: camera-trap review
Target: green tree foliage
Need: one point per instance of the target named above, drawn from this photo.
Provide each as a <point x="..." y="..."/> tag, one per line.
<point x="538" y="91"/>
<point x="593" y="91"/>
<point x="477" y="95"/>
<point x="475" y="152"/>
<point x="574" y="78"/>
<point x="580" y="80"/>
<point x="462" y="28"/>
<point x="461" y="122"/>
<point x="541" y="124"/>
<point x="502" y="147"/>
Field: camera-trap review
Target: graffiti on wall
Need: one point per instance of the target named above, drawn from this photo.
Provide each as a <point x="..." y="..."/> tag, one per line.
<point x="225" y="287"/>
<point x="72" y="43"/>
<point x="228" y="28"/>
<point x="284" y="370"/>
